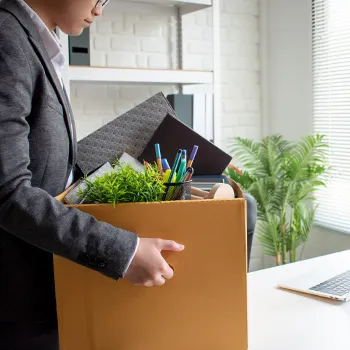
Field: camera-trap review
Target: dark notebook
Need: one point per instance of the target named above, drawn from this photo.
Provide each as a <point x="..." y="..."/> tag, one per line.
<point x="173" y="135"/>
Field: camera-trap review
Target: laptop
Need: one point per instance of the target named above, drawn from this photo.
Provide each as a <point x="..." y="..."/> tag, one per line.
<point x="332" y="282"/>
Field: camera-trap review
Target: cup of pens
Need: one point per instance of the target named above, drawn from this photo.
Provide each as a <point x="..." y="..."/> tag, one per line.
<point x="177" y="180"/>
<point x="177" y="191"/>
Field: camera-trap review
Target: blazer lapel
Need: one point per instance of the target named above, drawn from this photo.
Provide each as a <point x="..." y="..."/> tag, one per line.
<point x="51" y="74"/>
<point x="72" y="124"/>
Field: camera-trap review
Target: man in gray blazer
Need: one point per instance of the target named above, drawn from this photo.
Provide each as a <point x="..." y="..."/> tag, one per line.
<point x="37" y="162"/>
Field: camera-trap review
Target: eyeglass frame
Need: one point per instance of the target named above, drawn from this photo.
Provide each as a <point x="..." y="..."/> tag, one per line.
<point x="102" y="3"/>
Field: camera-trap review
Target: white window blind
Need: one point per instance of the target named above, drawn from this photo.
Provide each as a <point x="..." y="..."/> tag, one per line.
<point x="331" y="87"/>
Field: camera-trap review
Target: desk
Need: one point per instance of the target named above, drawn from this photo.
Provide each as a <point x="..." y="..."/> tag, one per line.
<point x="283" y="320"/>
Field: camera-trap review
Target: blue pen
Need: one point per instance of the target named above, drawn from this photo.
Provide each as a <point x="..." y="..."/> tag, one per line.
<point x="165" y="164"/>
<point x="159" y="158"/>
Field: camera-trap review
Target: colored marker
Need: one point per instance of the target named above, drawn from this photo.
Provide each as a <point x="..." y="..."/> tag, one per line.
<point x="159" y="158"/>
<point x="192" y="156"/>
<point x="188" y="175"/>
<point x="167" y="170"/>
<point x="182" y="167"/>
<point x="165" y="164"/>
<point x="176" y="164"/>
<point x="184" y="154"/>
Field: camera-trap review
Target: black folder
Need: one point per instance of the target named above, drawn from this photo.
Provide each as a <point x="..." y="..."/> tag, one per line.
<point x="173" y="135"/>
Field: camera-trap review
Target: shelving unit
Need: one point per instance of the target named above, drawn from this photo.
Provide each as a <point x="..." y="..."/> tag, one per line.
<point x="139" y="76"/>
<point x="184" y="78"/>
<point x="186" y="6"/>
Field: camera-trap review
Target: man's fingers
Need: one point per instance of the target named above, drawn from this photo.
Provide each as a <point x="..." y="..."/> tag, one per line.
<point x="149" y="284"/>
<point x="168" y="273"/>
<point x="159" y="281"/>
<point x="171" y="245"/>
<point x="149" y="268"/>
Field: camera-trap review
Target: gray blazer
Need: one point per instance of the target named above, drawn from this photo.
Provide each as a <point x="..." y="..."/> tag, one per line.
<point x="37" y="154"/>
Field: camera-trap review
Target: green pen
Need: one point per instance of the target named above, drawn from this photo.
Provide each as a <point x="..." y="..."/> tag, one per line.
<point x="182" y="167"/>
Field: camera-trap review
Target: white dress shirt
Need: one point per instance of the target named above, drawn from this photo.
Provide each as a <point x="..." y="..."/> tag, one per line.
<point x="53" y="48"/>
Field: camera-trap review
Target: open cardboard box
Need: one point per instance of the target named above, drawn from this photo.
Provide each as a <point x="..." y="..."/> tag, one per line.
<point x="204" y="307"/>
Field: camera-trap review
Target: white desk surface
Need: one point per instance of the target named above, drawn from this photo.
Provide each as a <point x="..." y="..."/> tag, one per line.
<point x="283" y="320"/>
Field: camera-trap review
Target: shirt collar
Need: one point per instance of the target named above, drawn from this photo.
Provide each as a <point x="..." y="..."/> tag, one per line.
<point x="50" y="40"/>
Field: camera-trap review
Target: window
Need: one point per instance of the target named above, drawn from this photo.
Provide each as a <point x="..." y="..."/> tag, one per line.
<point x="331" y="87"/>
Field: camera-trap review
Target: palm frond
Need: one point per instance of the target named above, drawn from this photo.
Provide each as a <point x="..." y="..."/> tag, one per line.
<point x="310" y="153"/>
<point x="248" y="153"/>
<point x="273" y="149"/>
<point x="307" y="221"/>
<point x="245" y="180"/>
<point x="269" y="235"/>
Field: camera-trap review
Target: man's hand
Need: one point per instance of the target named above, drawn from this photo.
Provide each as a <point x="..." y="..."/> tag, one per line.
<point x="148" y="268"/>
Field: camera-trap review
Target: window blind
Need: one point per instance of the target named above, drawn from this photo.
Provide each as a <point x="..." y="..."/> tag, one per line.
<point x="331" y="106"/>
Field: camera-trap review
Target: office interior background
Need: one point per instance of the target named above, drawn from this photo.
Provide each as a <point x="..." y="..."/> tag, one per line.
<point x="267" y="82"/>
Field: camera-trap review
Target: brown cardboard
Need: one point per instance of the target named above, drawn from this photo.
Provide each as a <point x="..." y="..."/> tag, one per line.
<point x="204" y="307"/>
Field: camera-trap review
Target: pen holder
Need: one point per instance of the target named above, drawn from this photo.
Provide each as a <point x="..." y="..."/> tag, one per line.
<point x="177" y="191"/>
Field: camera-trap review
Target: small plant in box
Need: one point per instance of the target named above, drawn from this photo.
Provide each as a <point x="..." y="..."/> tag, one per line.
<point x="125" y="185"/>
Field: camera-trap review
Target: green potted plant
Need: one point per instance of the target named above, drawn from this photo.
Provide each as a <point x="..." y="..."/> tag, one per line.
<point x="283" y="177"/>
<point x="124" y="184"/>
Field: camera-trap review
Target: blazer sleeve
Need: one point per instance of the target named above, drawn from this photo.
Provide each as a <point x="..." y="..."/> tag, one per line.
<point x="31" y="213"/>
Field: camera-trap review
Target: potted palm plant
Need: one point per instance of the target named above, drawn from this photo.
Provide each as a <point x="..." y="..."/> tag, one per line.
<point x="283" y="177"/>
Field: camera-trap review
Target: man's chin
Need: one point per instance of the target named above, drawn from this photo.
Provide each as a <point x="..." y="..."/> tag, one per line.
<point x="76" y="31"/>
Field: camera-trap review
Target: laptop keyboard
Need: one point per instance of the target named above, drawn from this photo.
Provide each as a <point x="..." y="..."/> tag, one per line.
<point x="338" y="285"/>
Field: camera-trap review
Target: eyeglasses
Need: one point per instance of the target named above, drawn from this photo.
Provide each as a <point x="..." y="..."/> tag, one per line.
<point x="101" y="3"/>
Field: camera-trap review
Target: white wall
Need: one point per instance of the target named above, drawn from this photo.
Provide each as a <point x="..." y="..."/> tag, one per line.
<point x="287" y="64"/>
<point x="287" y="94"/>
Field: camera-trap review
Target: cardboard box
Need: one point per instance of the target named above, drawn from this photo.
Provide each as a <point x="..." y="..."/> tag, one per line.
<point x="204" y="307"/>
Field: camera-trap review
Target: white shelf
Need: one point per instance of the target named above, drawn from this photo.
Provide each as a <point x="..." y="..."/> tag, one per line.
<point x="186" y="6"/>
<point x="150" y="76"/>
